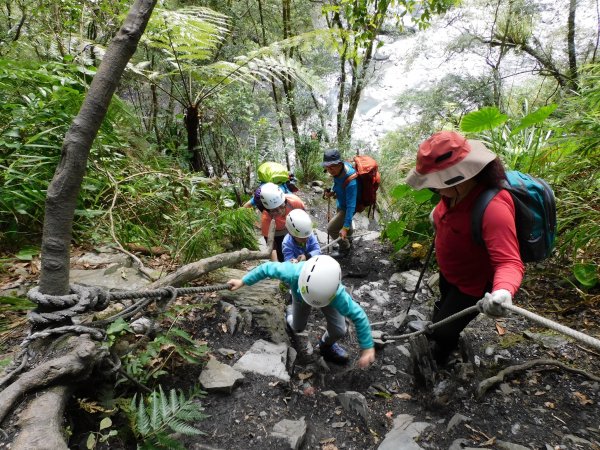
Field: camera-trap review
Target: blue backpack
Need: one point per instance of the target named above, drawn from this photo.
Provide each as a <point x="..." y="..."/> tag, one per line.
<point x="535" y="214"/>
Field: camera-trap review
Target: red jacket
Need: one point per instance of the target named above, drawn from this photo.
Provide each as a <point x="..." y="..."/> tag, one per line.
<point x="291" y="202"/>
<point x="470" y="266"/>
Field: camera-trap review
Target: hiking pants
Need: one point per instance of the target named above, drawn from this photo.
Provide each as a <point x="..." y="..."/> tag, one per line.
<point x="335" y="225"/>
<point x="277" y="246"/>
<point x="336" y="323"/>
<point x="451" y="301"/>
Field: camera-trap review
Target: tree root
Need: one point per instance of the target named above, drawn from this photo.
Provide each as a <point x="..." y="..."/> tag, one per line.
<point x="41" y="423"/>
<point x="488" y="383"/>
<point x="81" y="357"/>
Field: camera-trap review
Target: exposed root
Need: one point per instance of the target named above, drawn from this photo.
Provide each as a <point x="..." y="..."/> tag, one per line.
<point x="488" y="383"/>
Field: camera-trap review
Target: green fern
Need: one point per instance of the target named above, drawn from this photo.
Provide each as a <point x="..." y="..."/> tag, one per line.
<point x="158" y="416"/>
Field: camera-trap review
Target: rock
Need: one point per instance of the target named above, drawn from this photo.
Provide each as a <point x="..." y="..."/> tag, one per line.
<point x="457" y="419"/>
<point x="547" y="340"/>
<point x="329" y="394"/>
<point x="380" y="297"/>
<point x="406" y="279"/>
<point x="403" y="434"/>
<point x="503" y="445"/>
<point x="219" y="377"/>
<point x="356" y="403"/>
<point x="292" y="431"/>
<point x="265" y="358"/>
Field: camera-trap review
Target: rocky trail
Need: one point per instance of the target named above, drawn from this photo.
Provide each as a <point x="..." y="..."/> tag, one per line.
<point x="264" y="390"/>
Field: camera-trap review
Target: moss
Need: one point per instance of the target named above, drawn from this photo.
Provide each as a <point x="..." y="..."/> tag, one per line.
<point x="510" y="340"/>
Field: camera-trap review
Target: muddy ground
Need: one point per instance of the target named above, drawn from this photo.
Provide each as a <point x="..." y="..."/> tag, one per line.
<point x="545" y="407"/>
<point x="542" y="408"/>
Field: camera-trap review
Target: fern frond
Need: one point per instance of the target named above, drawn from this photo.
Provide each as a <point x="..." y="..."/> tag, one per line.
<point x="142" y="419"/>
<point x="165" y="410"/>
<point x="155" y="419"/>
<point x="181" y="427"/>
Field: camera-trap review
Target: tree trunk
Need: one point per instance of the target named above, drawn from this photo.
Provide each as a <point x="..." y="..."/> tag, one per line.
<point x="288" y="84"/>
<point x="62" y="194"/>
<point x="571" y="45"/>
<point x="192" y="121"/>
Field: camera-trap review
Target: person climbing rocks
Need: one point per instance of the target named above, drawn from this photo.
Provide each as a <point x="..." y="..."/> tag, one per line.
<point x="316" y="283"/>
<point x="300" y="243"/>
<point x="460" y="169"/>
<point x="340" y="225"/>
<point x="277" y="206"/>
<point x="272" y="172"/>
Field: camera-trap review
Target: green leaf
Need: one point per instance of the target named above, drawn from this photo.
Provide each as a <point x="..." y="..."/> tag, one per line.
<point x="534" y="118"/>
<point x="586" y="274"/>
<point x="400" y="191"/>
<point x="118" y="326"/>
<point x="27" y="253"/>
<point x="395" y="229"/>
<point x="91" y="441"/>
<point x="422" y="196"/>
<point x="105" y="423"/>
<point x="485" y="119"/>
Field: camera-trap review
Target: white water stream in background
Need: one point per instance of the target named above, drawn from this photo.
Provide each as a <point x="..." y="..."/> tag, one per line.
<point x="419" y="60"/>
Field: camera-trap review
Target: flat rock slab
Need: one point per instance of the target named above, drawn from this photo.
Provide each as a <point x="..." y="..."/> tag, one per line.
<point x="125" y="278"/>
<point x="292" y="431"/>
<point x="403" y="434"/>
<point x="265" y="358"/>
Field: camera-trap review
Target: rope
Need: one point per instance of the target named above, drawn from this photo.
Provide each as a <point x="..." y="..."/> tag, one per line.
<point x="429" y="327"/>
<point x="582" y="337"/>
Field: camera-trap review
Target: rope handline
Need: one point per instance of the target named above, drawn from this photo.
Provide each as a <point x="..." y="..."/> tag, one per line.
<point x="429" y="327"/>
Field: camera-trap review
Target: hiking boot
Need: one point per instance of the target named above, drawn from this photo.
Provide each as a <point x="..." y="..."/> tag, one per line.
<point x="334" y="353"/>
<point x="341" y="253"/>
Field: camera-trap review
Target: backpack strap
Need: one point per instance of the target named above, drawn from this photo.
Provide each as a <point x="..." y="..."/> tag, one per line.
<point x="354" y="176"/>
<point x="477" y="213"/>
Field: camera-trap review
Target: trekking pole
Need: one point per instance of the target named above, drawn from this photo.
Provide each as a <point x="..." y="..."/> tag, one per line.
<point x="427" y="259"/>
<point x="328" y="219"/>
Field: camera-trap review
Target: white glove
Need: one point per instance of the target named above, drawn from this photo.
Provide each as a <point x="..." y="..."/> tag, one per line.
<point x="493" y="303"/>
<point x="431" y="218"/>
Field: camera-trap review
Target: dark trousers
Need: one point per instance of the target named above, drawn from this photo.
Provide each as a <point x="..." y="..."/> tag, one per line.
<point x="451" y="301"/>
<point x="278" y="244"/>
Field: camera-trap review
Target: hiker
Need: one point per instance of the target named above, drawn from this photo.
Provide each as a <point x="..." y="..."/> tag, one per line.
<point x="317" y="283"/>
<point x="460" y="169"/>
<point x="341" y="223"/>
<point x="300" y="243"/>
<point x="277" y="206"/>
<point x="272" y="172"/>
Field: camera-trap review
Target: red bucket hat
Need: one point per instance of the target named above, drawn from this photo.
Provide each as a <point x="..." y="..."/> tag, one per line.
<point x="447" y="159"/>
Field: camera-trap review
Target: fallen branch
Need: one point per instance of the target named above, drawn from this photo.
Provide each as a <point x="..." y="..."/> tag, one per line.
<point x="488" y="383"/>
<point x="192" y="271"/>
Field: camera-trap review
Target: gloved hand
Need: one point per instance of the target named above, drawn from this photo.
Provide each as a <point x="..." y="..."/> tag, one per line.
<point x="431" y="218"/>
<point x="492" y="302"/>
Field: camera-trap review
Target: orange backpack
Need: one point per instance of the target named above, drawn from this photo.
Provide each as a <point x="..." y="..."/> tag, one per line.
<point x="367" y="174"/>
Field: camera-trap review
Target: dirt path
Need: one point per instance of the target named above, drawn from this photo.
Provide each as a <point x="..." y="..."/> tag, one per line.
<point x="541" y="408"/>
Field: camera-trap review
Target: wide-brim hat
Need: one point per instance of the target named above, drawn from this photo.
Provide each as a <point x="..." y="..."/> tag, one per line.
<point x="447" y="159"/>
<point x="331" y="157"/>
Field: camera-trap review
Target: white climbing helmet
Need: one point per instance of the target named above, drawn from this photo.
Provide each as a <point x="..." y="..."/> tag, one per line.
<point x="299" y="223"/>
<point x="271" y="196"/>
<point x="319" y="280"/>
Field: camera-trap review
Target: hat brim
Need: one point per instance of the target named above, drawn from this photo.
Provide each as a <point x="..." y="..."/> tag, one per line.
<point x="471" y="165"/>
<point x="330" y="163"/>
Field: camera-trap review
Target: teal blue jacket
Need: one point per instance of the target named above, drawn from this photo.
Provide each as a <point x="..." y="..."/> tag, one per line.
<point x="290" y="272"/>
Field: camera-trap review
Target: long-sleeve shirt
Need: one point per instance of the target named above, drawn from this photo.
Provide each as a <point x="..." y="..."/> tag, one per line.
<point x="468" y="265"/>
<point x="289" y="273"/>
<point x="291" y="202"/>
<point x="292" y="249"/>
<point x="346" y="196"/>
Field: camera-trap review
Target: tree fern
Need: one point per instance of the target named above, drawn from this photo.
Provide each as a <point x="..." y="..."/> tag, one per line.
<point x="160" y="415"/>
